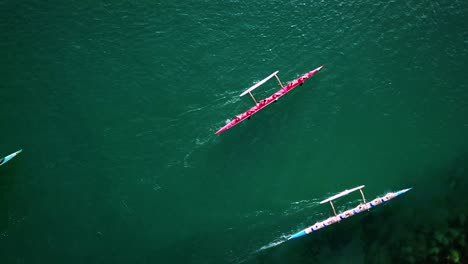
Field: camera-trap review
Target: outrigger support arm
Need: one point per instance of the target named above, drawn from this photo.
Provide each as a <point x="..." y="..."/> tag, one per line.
<point x="362" y="194"/>
<point x="253" y="98"/>
<point x="277" y="78"/>
<point x="333" y="207"/>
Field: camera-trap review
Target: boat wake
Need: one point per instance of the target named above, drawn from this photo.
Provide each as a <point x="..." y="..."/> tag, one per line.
<point x="274" y="243"/>
<point x="302" y="205"/>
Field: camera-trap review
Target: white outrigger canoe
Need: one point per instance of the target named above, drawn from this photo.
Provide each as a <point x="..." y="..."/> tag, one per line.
<point x="358" y="209"/>
<point x="9" y="157"/>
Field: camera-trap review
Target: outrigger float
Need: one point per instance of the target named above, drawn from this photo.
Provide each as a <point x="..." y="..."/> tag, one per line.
<point x="358" y="209"/>
<point x="9" y="157"/>
<point x="263" y="103"/>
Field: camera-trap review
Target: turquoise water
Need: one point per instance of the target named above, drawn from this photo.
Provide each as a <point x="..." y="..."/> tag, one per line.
<point x="115" y="104"/>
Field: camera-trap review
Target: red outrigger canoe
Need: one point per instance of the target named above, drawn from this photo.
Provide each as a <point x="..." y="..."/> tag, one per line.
<point x="263" y="103"/>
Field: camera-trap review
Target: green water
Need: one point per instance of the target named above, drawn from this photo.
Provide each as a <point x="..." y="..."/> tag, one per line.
<point x="115" y="104"/>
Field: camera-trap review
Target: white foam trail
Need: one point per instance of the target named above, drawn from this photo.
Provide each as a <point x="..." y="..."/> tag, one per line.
<point x="274" y="243"/>
<point x="270" y="245"/>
